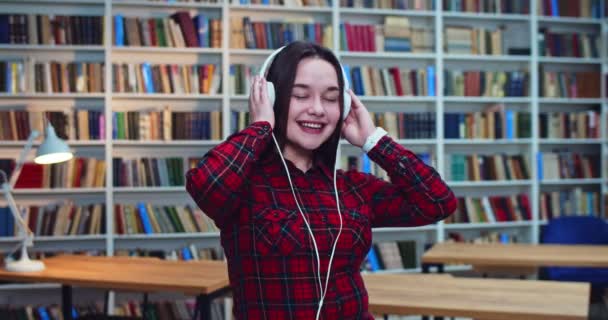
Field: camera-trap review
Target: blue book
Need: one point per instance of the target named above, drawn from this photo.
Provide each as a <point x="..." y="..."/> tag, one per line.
<point x="120" y="30"/>
<point x="366" y="164"/>
<point x="186" y="255"/>
<point x="43" y="314"/>
<point x="4" y="212"/>
<point x="357" y="81"/>
<point x="148" y="80"/>
<point x="4" y="29"/>
<point x="510" y="122"/>
<point x="145" y="220"/>
<point x="312" y="35"/>
<point x="9" y="77"/>
<point x="201" y="22"/>
<point x="430" y="76"/>
<point x="373" y="259"/>
<point x="269" y="36"/>
<point x="554" y="9"/>
<point x="347" y="73"/>
<point x="539" y="162"/>
<point x="114" y="126"/>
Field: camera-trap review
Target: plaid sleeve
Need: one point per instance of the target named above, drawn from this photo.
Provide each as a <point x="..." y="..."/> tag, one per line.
<point x="216" y="183"/>
<point x="416" y="194"/>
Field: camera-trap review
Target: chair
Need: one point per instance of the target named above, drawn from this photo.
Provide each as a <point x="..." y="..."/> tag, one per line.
<point x="577" y="230"/>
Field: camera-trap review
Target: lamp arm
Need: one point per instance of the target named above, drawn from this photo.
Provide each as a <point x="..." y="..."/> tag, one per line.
<point x="28" y="146"/>
<point x="6" y="189"/>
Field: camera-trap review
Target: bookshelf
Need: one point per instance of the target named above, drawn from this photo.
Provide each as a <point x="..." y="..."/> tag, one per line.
<point x="521" y="32"/>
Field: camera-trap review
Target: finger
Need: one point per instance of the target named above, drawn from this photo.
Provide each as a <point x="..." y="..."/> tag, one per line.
<point x="264" y="89"/>
<point x="260" y="91"/>
<point x="356" y="103"/>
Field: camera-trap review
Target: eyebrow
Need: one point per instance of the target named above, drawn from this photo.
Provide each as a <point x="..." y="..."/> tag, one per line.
<point x="305" y="86"/>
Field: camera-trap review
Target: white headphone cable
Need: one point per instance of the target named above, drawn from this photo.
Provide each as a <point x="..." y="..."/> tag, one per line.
<point x="331" y="258"/>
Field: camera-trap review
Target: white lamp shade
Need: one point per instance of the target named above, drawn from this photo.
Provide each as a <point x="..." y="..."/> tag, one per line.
<point x="52" y="149"/>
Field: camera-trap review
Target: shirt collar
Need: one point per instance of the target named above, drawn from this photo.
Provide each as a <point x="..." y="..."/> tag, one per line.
<point x="272" y="157"/>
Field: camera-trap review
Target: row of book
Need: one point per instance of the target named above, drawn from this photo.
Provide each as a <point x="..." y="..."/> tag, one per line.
<point x="144" y="218"/>
<point x="492" y="209"/>
<point x="575" y="201"/>
<point x="69" y="77"/>
<point x="488" y="6"/>
<point x="188" y="253"/>
<point x="570" y="125"/>
<point x="167" y="78"/>
<point x="370" y="81"/>
<point x="389" y="4"/>
<point x="567" y="165"/>
<point x="470" y="40"/>
<point x="75" y="173"/>
<point x="484" y="237"/>
<point x="391" y="255"/>
<point x="400" y="125"/>
<point x="249" y="34"/>
<point x="49" y="312"/>
<point x="487" y="167"/>
<point x="51" y="29"/>
<point x="492" y="123"/>
<point x="83" y="124"/>
<point x="395" y="35"/>
<point x="571" y="44"/>
<point x="570" y="84"/>
<point x="486" y="83"/>
<point x="287" y="3"/>
<point x="179" y="30"/>
<point x="166" y="125"/>
<point x="569" y="8"/>
<point x="148" y="172"/>
<point x="56" y="219"/>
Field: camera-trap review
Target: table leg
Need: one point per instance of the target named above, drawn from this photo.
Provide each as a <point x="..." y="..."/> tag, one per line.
<point x="145" y="307"/>
<point x="66" y="301"/>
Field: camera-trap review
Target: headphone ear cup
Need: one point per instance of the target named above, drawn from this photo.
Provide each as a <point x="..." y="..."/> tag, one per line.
<point x="271" y="94"/>
<point x="347" y="101"/>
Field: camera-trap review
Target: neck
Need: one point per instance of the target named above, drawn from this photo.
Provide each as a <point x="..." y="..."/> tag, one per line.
<point x="301" y="159"/>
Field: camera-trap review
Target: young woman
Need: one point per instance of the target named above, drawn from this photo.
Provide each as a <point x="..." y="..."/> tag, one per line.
<point x="280" y="231"/>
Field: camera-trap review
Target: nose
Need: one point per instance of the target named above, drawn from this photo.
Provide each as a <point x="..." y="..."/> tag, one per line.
<point x="316" y="108"/>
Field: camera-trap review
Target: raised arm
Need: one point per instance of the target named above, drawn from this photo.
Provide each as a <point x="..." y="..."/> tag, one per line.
<point x="415" y="196"/>
<point x="219" y="178"/>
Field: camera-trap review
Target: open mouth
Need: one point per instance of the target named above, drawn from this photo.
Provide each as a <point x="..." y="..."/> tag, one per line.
<point x="312" y="127"/>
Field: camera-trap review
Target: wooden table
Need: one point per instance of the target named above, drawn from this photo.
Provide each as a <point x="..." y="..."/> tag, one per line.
<point x="205" y="279"/>
<point x="516" y="255"/>
<point x="488" y="299"/>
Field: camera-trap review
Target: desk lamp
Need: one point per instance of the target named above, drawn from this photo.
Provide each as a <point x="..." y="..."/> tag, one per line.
<point x="52" y="150"/>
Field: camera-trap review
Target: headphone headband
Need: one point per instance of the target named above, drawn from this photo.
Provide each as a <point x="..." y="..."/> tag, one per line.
<point x="271" y="57"/>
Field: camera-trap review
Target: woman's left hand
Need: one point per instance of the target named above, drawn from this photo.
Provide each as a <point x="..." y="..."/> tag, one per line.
<point x="358" y="125"/>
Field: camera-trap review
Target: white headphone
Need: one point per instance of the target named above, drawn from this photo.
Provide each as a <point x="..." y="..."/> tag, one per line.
<point x="347" y="101"/>
<point x="270" y="85"/>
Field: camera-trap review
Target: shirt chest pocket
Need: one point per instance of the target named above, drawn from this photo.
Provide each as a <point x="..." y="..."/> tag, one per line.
<point x="278" y="231"/>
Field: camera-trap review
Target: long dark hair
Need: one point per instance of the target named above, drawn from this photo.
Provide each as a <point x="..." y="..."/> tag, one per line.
<point x="282" y="73"/>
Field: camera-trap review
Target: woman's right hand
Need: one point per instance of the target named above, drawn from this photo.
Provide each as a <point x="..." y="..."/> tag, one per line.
<point x="260" y="108"/>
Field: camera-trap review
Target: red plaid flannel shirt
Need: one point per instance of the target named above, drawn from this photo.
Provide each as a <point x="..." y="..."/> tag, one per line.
<point x="242" y="186"/>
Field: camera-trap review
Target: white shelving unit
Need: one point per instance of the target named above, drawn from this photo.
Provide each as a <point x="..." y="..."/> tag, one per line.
<point x="225" y="56"/>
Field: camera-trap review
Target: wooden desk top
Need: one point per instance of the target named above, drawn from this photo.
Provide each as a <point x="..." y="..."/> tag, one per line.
<point x="491" y="299"/>
<point x="123" y="273"/>
<point x="526" y="255"/>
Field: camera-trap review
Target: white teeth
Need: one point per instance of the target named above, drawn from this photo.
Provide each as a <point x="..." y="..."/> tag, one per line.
<point x="311" y="125"/>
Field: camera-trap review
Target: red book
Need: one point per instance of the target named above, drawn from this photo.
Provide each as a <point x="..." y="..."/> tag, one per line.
<point x="31" y="176"/>
<point x="182" y="18"/>
<point x="397" y="79"/>
<point x="152" y="29"/>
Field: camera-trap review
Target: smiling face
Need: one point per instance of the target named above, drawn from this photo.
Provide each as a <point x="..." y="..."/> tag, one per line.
<point x="314" y="108"/>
